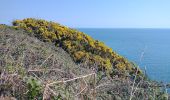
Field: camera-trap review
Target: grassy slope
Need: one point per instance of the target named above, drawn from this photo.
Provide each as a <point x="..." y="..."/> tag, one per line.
<point x="23" y="55"/>
<point x="28" y="65"/>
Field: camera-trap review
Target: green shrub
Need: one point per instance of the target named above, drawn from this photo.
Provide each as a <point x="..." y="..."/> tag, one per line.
<point x="34" y="88"/>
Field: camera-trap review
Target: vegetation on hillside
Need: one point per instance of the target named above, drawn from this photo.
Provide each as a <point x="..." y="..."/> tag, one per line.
<point x="34" y="70"/>
<point x="27" y="65"/>
<point x="81" y="47"/>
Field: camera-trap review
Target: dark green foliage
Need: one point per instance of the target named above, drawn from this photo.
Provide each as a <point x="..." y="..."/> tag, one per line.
<point x="34" y="88"/>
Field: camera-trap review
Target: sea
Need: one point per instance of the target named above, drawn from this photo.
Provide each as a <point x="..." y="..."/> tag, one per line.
<point x="148" y="48"/>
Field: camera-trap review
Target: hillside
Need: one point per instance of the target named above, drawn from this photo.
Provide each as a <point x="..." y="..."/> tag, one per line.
<point x="22" y="57"/>
<point x="81" y="47"/>
<point x="44" y="68"/>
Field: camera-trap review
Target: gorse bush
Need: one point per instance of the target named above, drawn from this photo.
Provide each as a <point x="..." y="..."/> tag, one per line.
<point x="80" y="46"/>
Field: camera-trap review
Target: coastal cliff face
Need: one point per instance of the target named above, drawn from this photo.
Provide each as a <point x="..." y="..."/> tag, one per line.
<point x="45" y="60"/>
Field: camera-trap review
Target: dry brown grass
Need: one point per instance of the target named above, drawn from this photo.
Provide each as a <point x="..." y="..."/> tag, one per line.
<point x="56" y="75"/>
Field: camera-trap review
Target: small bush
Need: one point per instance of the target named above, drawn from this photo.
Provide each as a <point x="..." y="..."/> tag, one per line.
<point x="34" y="88"/>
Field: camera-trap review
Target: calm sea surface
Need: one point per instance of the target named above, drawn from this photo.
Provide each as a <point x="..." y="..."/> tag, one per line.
<point x="152" y="45"/>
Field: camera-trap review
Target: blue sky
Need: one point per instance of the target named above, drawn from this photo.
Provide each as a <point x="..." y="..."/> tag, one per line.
<point x="91" y="13"/>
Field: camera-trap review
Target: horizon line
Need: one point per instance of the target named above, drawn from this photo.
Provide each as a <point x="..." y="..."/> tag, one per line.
<point x="121" y="27"/>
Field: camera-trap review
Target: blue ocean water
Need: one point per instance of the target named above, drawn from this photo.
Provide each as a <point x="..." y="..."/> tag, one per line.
<point x="152" y="45"/>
